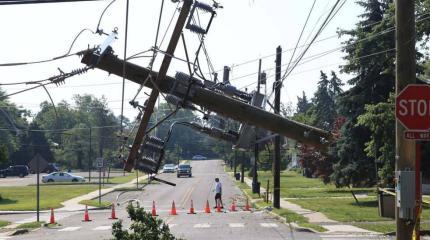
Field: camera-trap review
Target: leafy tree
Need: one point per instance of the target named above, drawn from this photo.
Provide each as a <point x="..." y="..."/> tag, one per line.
<point x="379" y="119"/>
<point x="4" y="156"/>
<point x="143" y="226"/>
<point x="372" y="82"/>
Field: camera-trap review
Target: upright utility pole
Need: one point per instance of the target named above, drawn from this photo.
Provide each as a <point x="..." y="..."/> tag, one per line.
<point x="255" y="183"/>
<point x="242" y="168"/>
<point x="405" y="74"/>
<point x="89" y="159"/>
<point x="277" y="160"/>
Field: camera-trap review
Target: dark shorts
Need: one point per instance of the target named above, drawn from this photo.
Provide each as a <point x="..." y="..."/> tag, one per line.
<point x="218" y="196"/>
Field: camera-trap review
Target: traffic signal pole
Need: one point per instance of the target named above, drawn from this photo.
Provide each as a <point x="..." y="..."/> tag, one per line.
<point x="277" y="159"/>
<point x="405" y="74"/>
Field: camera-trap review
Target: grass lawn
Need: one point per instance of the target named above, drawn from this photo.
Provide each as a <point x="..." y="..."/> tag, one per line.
<point x="347" y="210"/>
<point x="95" y="203"/>
<point x="124" y="179"/>
<point x="4" y="223"/>
<point x="292" y="217"/>
<point x="24" y="198"/>
<point x="294" y="185"/>
<point x="31" y="225"/>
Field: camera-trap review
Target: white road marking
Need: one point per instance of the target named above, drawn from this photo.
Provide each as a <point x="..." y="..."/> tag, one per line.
<point x="269" y="225"/>
<point x="69" y="229"/>
<point x="5" y="237"/>
<point x="202" y="225"/>
<point x="102" y="228"/>
<point x="350" y="236"/>
<point x="236" y="225"/>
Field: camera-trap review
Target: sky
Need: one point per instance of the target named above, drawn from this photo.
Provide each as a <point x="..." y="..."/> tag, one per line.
<point x="242" y="32"/>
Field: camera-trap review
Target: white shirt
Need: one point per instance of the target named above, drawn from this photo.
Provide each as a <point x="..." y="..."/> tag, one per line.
<point x="218" y="187"/>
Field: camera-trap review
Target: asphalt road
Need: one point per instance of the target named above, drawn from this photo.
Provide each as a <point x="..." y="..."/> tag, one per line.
<point x="31" y="179"/>
<point x="225" y="225"/>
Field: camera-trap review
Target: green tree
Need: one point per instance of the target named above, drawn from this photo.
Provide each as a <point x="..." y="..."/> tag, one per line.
<point x="379" y="119"/>
<point x="4" y="156"/>
<point x="143" y="226"/>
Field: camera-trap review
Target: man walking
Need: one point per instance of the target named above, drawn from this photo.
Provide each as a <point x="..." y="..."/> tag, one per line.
<point x="218" y="193"/>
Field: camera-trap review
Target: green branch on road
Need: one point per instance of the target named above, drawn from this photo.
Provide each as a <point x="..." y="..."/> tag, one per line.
<point x="24" y="198"/>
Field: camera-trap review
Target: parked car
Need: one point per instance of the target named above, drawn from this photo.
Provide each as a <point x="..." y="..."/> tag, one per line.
<point x="62" y="177"/>
<point x="199" y="157"/>
<point x="16" y="170"/>
<point x="184" y="170"/>
<point x="169" y="168"/>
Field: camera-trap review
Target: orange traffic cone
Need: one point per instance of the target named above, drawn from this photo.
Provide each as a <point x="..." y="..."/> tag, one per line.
<point x="233" y="207"/>
<point x="207" y="209"/>
<point x="154" y="212"/>
<point x="86" y="215"/>
<point x="52" y="219"/>
<point x="192" y="208"/>
<point x="173" y="211"/>
<point x="247" y="207"/>
<point x="113" y="215"/>
<point x="218" y="206"/>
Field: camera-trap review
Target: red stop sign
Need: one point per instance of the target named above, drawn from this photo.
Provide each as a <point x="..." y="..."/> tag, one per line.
<point x="413" y="107"/>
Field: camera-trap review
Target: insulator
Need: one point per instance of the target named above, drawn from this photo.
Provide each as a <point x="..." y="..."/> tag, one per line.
<point x="204" y="7"/>
<point x="79" y="71"/>
<point x="196" y="29"/>
<point x="154" y="140"/>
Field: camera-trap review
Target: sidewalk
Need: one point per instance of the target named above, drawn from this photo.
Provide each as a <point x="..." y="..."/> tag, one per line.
<point x="318" y="218"/>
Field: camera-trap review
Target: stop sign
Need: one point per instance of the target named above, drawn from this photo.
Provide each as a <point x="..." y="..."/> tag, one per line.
<point x="413" y="107"/>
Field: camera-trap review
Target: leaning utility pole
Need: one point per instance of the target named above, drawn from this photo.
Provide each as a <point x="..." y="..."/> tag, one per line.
<point x="405" y="74"/>
<point x="277" y="161"/>
<point x="149" y="106"/>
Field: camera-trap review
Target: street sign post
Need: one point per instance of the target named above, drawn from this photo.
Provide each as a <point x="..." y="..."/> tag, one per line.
<point x="100" y="164"/>
<point x="38" y="163"/>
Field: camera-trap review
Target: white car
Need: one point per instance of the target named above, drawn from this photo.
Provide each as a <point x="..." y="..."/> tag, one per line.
<point x="169" y="168"/>
<point x="62" y="177"/>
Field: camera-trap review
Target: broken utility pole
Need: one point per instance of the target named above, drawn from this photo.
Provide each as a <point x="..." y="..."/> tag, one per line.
<point x="277" y="159"/>
<point x="149" y="106"/>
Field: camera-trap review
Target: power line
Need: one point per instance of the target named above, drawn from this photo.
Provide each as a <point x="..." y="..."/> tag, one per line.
<point x="19" y="2"/>
<point x="301" y="33"/>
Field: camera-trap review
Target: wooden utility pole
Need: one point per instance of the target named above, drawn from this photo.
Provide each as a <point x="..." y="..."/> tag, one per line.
<point x="255" y="183"/>
<point x="149" y="107"/>
<point x="277" y="159"/>
<point x="405" y="74"/>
